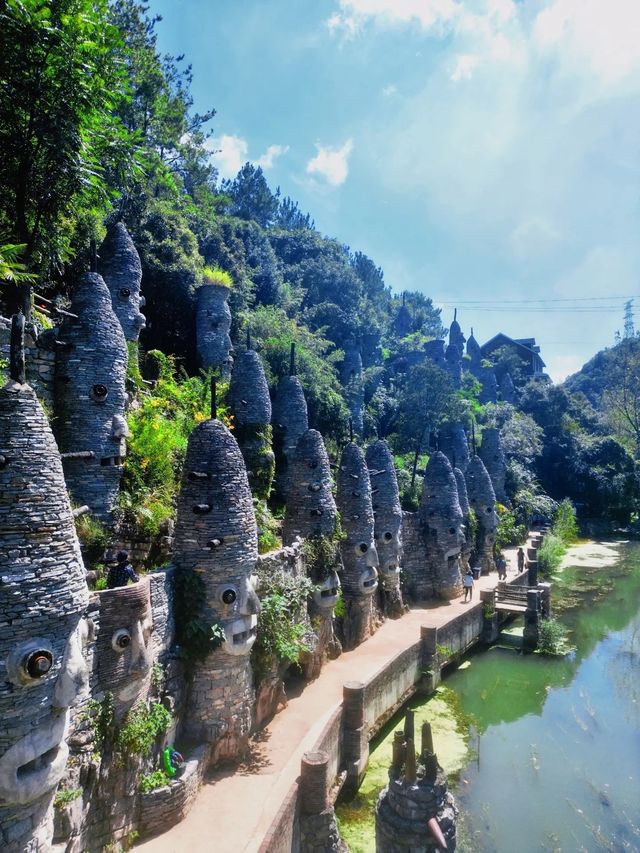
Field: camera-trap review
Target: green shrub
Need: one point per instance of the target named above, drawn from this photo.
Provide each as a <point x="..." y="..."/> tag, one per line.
<point x="195" y="635"/>
<point x="100" y="716"/>
<point x="550" y="553"/>
<point x="93" y="536"/>
<point x="552" y="637"/>
<point x="216" y="275"/>
<point x="565" y="525"/>
<point x="64" y="796"/>
<point x="509" y="532"/>
<point x="152" y="781"/>
<point x="320" y="554"/>
<point x="268" y="527"/>
<point x="141" y="727"/>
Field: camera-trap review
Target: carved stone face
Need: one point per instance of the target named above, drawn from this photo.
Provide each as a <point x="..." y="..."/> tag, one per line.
<point x="123" y="647"/>
<point x="440" y="510"/>
<point x="43" y="594"/>
<point x="213" y="322"/>
<point x="122" y="271"/>
<point x="389" y="547"/>
<point x="326" y="593"/>
<point x="236" y="607"/>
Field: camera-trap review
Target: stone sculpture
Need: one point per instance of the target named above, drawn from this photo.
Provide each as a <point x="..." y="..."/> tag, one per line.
<point x="90" y="398"/>
<point x="358" y="549"/>
<point x="216" y="541"/>
<point x="311" y="509"/>
<point x="492" y="455"/>
<point x="353" y="383"/>
<point x="465" y="552"/>
<point x="456" y="338"/>
<point x="508" y="392"/>
<point x="442" y="522"/>
<point x="387" y="514"/>
<point x="403" y="324"/>
<point x="213" y="324"/>
<point x="435" y="350"/>
<point x="452" y="441"/>
<point x="290" y="422"/>
<point x="485" y="375"/>
<point x="122" y="272"/>
<point x="415" y="813"/>
<point x="251" y="405"/>
<point x="454" y="365"/>
<point x="42" y="598"/>
<point x="482" y="500"/>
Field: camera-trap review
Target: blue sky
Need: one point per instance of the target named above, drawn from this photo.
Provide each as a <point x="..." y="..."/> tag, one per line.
<point x="481" y="152"/>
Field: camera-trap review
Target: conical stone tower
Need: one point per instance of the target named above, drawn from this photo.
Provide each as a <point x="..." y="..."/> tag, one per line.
<point x="442" y="520"/>
<point x="290" y="422"/>
<point x="482" y="500"/>
<point x="122" y="272"/>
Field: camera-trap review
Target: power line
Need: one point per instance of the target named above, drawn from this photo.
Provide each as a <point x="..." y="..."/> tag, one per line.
<point x="449" y="301"/>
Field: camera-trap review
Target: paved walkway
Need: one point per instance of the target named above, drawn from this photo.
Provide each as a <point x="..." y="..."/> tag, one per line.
<point x="236" y="807"/>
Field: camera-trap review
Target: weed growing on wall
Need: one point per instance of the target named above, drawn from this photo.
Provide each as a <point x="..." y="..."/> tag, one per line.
<point x="552" y="638"/>
<point x="141" y="727"/>
<point x="64" y="796"/>
<point x="195" y="635"/>
<point x="153" y="781"/>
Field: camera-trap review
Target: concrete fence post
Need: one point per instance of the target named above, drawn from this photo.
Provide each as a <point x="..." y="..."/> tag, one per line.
<point x="314" y="782"/>
<point x="355" y="742"/>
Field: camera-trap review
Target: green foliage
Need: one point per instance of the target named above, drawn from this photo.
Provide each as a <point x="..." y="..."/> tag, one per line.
<point x="93" y="536"/>
<point x="320" y="554"/>
<point x="64" y="796"/>
<point x="509" y="532"/>
<point x="158" y="677"/>
<point x="552" y="637"/>
<point x="153" y="781"/>
<point x="565" y="526"/>
<point x="268" y="528"/>
<point x="11" y="269"/>
<point x="100" y="716"/>
<point x="339" y="611"/>
<point x="550" y="553"/>
<point x="195" y="635"/>
<point x="141" y="727"/>
<point x="444" y="652"/>
<point x="216" y="275"/>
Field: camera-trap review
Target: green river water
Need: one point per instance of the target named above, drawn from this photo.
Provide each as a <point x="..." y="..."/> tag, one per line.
<point x="543" y="754"/>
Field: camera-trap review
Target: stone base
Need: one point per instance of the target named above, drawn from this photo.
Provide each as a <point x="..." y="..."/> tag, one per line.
<point x="319" y="833"/>
<point x="402" y="813"/>
<point x="358" y="621"/>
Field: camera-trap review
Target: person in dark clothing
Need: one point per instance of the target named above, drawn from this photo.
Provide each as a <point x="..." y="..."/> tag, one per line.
<point x="122" y="572"/>
<point x="520" y="560"/>
<point x="501" y="565"/>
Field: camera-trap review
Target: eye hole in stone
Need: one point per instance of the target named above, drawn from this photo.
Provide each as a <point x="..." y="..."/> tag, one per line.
<point x="489" y="509"/>
<point x="387" y="536"/>
<point x="3" y="461"/>
<point x="121" y="640"/>
<point x="452" y="530"/>
<point x="215" y="543"/>
<point x="99" y="392"/>
<point x="362" y="548"/>
<point x="124" y="293"/>
<point x="229" y="595"/>
<point x="38" y="663"/>
<point x="313" y="463"/>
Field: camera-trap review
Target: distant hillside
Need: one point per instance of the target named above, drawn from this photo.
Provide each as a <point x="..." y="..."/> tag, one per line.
<point x="602" y="372"/>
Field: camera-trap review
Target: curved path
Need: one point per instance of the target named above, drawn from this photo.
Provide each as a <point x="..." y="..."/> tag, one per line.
<point x="235" y="807"/>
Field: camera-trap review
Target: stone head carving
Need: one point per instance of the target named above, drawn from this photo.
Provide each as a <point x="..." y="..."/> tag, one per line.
<point x="311" y="509"/>
<point x="452" y="441"/>
<point x="290" y="422"/>
<point x="325" y="596"/>
<point x="90" y="397"/>
<point x="213" y="324"/>
<point x="482" y="498"/>
<point x="456" y="338"/>
<point x="440" y="511"/>
<point x="122" y="271"/>
<point x="359" y="554"/>
<point x="123" y="645"/>
<point x="216" y="534"/>
<point x="387" y="511"/>
<point x="43" y="594"/>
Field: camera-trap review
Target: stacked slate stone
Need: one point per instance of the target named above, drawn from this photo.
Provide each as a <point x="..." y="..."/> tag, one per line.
<point x="353" y="383"/>
<point x="403" y="324"/>
<point x="122" y="272"/>
<point x="387" y="514"/>
<point x="465" y="552"/>
<point x="216" y="541"/>
<point x="482" y="500"/>
<point x="213" y="323"/>
<point x="251" y="405"/>
<point x="508" y="390"/>
<point x="456" y="338"/>
<point x="452" y="441"/>
<point x="358" y="549"/>
<point x="290" y="422"/>
<point x="90" y="398"/>
<point x="415" y="813"/>
<point x="473" y="350"/>
<point x="454" y="365"/>
<point x="485" y="375"/>
<point x="442" y="522"/>
<point x="492" y="455"/>
<point x="42" y="598"/>
<point x="436" y="352"/>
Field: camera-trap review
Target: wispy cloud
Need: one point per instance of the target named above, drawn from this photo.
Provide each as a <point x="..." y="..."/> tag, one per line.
<point x="332" y="164"/>
<point x="464" y="65"/>
<point x="269" y="157"/>
<point x="230" y="153"/>
<point x="389" y="91"/>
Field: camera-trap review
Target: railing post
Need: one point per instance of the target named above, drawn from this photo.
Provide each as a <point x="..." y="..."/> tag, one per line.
<point x="531" y="619"/>
<point x="490" y="628"/>
<point x="355" y="742"/>
<point x="430" y="662"/>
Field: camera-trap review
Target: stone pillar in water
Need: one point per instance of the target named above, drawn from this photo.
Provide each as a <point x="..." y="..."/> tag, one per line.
<point x="216" y="541"/>
<point x="122" y="272"/>
<point x="42" y="633"/>
<point x="358" y="549"/>
<point x="387" y="514"/>
<point x="90" y="398"/>
<point x="442" y="523"/>
<point x="482" y="500"/>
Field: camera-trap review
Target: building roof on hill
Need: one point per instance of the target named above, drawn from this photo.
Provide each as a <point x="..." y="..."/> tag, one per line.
<point x="527" y="348"/>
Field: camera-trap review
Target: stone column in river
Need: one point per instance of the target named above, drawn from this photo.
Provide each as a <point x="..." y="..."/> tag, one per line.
<point x="442" y="523"/>
<point x="90" y="398"/>
<point x="492" y="455"/>
<point x="215" y="550"/>
<point x="213" y="323"/>
<point x="358" y="549"/>
<point x="387" y="514"/>
<point x="353" y="384"/>
<point x="43" y="595"/>
<point x="482" y="500"/>
<point x="452" y="441"/>
<point x="290" y="422"/>
<point x="415" y="813"/>
<point x="251" y="405"/>
<point x="311" y="515"/>
<point x="122" y="272"/>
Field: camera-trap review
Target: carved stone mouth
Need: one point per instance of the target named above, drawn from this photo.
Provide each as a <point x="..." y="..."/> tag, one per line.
<point x="34" y="764"/>
<point x="392" y="569"/>
<point x="244" y="636"/>
<point x="111" y="461"/>
<point x="240" y="635"/>
<point x="332" y="592"/>
<point x="38" y="764"/>
<point x="369" y="582"/>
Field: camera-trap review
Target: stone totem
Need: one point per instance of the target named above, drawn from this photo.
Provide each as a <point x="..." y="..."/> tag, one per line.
<point x="90" y="398"/>
<point x="465" y="552"/>
<point x="387" y="514"/>
<point x="482" y="500"/>
<point x="213" y="323"/>
<point x="42" y="598"/>
<point x="415" y="813"/>
<point x="358" y="549"/>
<point x="290" y="422"/>
<point x="443" y="525"/>
<point x="508" y="392"/>
<point x="403" y="323"/>
<point x="454" y="365"/>
<point x="492" y="455"/>
<point x="485" y="375"/>
<point x="122" y="272"/>
<point x="216" y="541"/>
<point x="251" y="405"/>
<point x="452" y="441"/>
<point x="353" y="384"/>
<point x="311" y="515"/>
<point x="456" y="338"/>
<point x="435" y="350"/>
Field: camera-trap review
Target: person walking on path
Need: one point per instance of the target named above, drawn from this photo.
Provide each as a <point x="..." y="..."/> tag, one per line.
<point x="520" y="560"/>
<point x="501" y="565"/>
<point x="467" y="584"/>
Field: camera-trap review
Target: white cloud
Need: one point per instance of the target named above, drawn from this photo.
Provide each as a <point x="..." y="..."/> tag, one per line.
<point x="332" y="164"/>
<point x="390" y="90"/>
<point x="230" y="154"/>
<point x="426" y="13"/>
<point x="267" y="160"/>
<point x="533" y="237"/>
<point x="465" y="63"/>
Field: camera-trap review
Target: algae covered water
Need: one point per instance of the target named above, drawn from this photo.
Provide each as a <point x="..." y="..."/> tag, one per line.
<point x="543" y="753"/>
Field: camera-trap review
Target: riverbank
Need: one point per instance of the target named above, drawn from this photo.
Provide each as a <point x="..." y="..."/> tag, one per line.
<point x="592" y="554"/>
